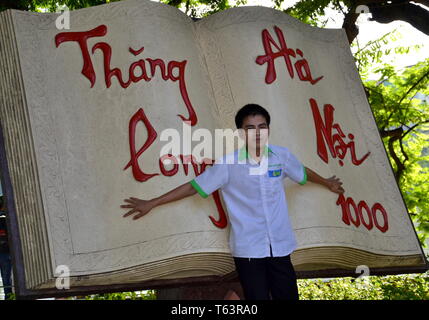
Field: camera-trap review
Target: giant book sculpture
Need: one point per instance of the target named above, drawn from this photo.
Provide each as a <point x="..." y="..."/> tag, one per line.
<point x="84" y="115"/>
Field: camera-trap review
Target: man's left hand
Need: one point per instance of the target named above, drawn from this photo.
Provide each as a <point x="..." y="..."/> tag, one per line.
<point x="334" y="184"/>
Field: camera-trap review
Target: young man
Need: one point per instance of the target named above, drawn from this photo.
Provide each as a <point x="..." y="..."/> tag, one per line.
<point x="250" y="180"/>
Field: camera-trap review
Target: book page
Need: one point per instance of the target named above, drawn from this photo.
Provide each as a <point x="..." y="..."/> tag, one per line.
<point x="104" y="98"/>
<point x="306" y="78"/>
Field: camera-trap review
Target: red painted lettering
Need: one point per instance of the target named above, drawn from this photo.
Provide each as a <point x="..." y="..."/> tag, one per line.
<point x="81" y="38"/>
<point x="325" y="135"/>
<point x="167" y="73"/>
<point x="358" y="214"/>
<point x="301" y="66"/>
<point x="108" y="72"/>
<point x="138" y="174"/>
<point x="171" y="172"/>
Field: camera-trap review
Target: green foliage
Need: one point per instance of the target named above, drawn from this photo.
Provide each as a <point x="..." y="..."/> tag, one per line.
<point x="136" y="295"/>
<point x="50" y="5"/>
<point x="17" y="4"/>
<point x="313" y="12"/>
<point x="400" y="287"/>
<point x="10" y="296"/>
<point x="307" y="11"/>
<point x="202" y="8"/>
<point x="399" y="100"/>
<point x="378" y="56"/>
<point x="194" y="8"/>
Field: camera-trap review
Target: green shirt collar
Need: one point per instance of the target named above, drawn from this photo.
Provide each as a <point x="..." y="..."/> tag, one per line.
<point x="243" y="154"/>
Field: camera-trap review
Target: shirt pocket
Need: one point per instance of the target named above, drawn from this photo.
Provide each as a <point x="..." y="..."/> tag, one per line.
<point x="274" y="180"/>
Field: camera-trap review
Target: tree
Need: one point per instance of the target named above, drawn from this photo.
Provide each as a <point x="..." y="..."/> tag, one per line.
<point x="399" y="100"/>
<point x="402" y="287"/>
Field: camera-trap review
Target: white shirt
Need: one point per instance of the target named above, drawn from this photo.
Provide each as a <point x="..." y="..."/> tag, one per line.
<point x="255" y="199"/>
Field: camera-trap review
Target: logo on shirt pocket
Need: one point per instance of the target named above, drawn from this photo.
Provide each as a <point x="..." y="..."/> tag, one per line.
<point x="274" y="173"/>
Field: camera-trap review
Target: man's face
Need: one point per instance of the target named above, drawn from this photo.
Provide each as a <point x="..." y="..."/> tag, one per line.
<point x="256" y="130"/>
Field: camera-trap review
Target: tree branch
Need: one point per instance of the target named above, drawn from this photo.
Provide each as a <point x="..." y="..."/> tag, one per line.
<point x="384" y="12"/>
<point x="415" y="15"/>
<point x="400" y="167"/>
<point x="423" y="2"/>
<point x="399" y="134"/>
<point x="413" y="127"/>
<point x="406" y="94"/>
<point x="402" y="150"/>
<point x="392" y="133"/>
<point x="349" y="23"/>
<point x="413" y="86"/>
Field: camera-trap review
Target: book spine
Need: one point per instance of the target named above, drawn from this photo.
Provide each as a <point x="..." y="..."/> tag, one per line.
<point x="22" y="167"/>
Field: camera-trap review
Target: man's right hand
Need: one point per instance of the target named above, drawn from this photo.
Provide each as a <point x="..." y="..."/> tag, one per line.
<point x="141" y="207"/>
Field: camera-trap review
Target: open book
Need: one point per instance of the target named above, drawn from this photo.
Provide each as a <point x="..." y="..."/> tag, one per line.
<point x="85" y="114"/>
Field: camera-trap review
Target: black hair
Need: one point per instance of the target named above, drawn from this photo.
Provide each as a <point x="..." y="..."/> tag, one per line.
<point x="251" y="110"/>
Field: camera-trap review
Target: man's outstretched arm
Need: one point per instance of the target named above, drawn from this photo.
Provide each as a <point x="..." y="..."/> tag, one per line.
<point x="141" y="207"/>
<point x="333" y="183"/>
